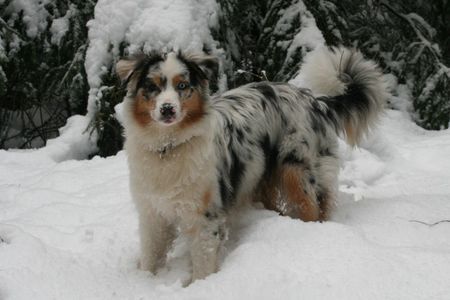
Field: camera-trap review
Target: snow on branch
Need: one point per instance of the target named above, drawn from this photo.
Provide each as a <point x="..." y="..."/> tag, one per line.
<point x="9" y="28"/>
<point x="420" y="28"/>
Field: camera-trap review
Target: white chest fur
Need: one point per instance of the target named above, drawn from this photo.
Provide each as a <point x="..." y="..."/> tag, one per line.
<point x="172" y="183"/>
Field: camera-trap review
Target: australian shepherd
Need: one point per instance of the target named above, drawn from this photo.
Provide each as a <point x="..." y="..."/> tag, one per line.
<point x="194" y="157"/>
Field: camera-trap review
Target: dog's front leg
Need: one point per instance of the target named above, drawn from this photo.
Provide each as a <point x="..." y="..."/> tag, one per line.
<point x="156" y="236"/>
<point x="209" y="233"/>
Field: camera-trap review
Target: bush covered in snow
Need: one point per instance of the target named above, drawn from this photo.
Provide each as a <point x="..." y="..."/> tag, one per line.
<point x="42" y="76"/>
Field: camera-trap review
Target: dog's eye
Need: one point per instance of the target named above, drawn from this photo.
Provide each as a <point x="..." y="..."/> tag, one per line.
<point x="150" y="87"/>
<point x="182" y="86"/>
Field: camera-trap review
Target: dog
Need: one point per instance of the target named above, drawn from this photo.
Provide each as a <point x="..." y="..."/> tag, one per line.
<point x="193" y="157"/>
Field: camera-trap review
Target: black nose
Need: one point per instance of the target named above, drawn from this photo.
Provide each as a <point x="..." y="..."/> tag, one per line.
<point x="167" y="110"/>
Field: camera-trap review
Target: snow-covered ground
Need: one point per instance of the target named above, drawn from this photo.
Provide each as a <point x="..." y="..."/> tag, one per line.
<point x="68" y="230"/>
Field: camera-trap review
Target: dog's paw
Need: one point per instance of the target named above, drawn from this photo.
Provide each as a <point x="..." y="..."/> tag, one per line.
<point x="187" y="282"/>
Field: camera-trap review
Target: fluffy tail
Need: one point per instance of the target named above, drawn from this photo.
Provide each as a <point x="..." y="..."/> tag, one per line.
<point x="351" y="87"/>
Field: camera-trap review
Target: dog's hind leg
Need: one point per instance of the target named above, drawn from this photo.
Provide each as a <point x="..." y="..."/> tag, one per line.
<point x="327" y="169"/>
<point x="268" y="192"/>
<point x="326" y="202"/>
<point x="297" y="189"/>
<point x="157" y="236"/>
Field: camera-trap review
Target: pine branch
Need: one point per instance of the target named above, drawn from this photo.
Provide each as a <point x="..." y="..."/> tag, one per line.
<point x="407" y="18"/>
<point x="34" y="126"/>
<point x="9" y="28"/>
<point x="76" y="58"/>
<point x="262" y="77"/>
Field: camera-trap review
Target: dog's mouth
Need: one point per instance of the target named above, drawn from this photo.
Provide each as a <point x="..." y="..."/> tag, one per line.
<point x="169" y="120"/>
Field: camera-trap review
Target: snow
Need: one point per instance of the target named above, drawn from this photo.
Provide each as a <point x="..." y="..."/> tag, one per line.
<point x="60" y="26"/>
<point x="146" y="25"/>
<point x="34" y="14"/>
<point x="432" y="81"/>
<point x="305" y="40"/>
<point x="309" y="36"/>
<point x="425" y="27"/>
<point x="69" y="230"/>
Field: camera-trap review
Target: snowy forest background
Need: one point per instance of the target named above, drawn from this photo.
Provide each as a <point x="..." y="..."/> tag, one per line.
<point x="53" y="66"/>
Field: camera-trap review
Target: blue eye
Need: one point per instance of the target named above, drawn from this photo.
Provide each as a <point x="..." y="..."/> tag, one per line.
<point x="182" y="86"/>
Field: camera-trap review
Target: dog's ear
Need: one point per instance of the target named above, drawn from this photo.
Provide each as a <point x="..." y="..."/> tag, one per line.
<point x="125" y="68"/>
<point x="134" y="69"/>
<point x="210" y="66"/>
<point x="205" y="67"/>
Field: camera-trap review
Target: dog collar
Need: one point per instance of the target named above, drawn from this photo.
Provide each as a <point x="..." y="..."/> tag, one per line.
<point x="164" y="149"/>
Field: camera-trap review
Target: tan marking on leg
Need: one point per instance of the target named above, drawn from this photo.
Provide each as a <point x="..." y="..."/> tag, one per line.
<point x="206" y="201"/>
<point x="326" y="202"/>
<point x="267" y="192"/>
<point x="301" y="204"/>
<point x="350" y="134"/>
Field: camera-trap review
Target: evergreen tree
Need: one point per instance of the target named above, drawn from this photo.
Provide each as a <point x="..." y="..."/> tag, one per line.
<point x="262" y="39"/>
<point x="110" y="131"/>
<point x="42" y="75"/>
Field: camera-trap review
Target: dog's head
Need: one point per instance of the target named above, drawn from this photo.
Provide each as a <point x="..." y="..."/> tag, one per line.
<point x="168" y="89"/>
